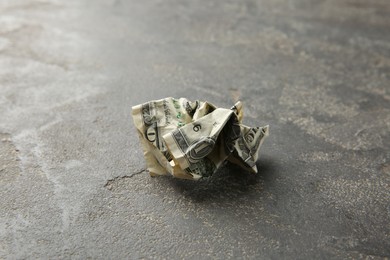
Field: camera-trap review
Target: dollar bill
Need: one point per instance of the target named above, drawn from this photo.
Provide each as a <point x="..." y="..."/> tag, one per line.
<point x="192" y="140"/>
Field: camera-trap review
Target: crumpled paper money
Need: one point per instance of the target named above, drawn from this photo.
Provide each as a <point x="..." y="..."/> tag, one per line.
<point x="191" y="140"/>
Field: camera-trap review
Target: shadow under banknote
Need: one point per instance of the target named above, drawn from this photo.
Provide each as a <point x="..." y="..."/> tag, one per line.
<point x="228" y="183"/>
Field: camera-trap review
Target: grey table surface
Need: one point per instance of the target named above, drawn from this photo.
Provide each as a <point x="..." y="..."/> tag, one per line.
<point x="73" y="182"/>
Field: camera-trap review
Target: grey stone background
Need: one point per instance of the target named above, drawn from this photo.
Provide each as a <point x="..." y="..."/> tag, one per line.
<point x="73" y="182"/>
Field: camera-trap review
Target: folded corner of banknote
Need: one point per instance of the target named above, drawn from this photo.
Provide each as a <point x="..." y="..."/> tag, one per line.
<point x="192" y="139"/>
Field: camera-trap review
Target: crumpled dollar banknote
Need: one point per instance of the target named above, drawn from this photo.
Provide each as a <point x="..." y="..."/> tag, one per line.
<point x="191" y="140"/>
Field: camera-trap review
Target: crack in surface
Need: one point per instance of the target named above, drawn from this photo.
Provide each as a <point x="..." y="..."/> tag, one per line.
<point x="112" y="183"/>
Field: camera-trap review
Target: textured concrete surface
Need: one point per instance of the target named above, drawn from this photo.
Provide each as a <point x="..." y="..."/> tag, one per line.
<point x="72" y="177"/>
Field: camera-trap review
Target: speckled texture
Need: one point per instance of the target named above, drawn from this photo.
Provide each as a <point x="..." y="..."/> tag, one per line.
<point x="72" y="177"/>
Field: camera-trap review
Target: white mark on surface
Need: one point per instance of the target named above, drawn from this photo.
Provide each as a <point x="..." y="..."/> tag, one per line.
<point x="72" y="164"/>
